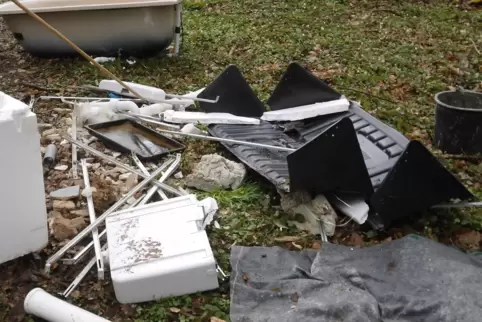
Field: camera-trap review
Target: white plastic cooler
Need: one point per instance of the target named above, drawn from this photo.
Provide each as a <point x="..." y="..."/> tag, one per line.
<point x="23" y="214"/>
<point x="160" y="250"/>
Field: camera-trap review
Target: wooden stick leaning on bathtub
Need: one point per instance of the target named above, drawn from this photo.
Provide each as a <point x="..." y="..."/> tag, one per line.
<point x="80" y="51"/>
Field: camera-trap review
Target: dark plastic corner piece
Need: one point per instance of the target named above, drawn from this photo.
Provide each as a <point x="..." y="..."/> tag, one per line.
<point x="416" y="182"/>
<point x="300" y="87"/>
<point x="235" y="95"/>
<point x="331" y="162"/>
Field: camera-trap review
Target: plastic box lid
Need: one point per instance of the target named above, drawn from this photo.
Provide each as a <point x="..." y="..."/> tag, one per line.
<point x="10" y="8"/>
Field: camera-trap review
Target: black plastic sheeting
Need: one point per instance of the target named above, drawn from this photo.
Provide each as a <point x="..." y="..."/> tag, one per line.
<point x="345" y="153"/>
<point x="410" y="279"/>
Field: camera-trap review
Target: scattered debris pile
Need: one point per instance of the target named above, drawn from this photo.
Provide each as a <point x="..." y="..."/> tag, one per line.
<point x="119" y="195"/>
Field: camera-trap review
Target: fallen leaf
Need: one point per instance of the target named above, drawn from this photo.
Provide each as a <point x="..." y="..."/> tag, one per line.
<point x="316" y="245"/>
<point x="355" y="240"/>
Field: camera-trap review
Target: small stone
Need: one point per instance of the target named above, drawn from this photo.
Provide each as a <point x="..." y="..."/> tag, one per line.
<point x="63" y="205"/>
<point x="61" y="167"/>
<point x="44" y="126"/>
<point x="178" y="175"/>
<point x="80" y="213"/>
<point x="53" y="137"/>
<point x="215" y="172"/>
<point x="62" y="228"/>
<point x="131" y="182"/>
<point x="116" y="154"/>
<point x="49" y="132"/>
<point x="125" y="176"/>
<point x="68" y="121"/>
<point x="66" y="193"/>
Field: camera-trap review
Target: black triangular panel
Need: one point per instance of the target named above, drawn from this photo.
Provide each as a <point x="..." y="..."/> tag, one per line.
<point x="235" y="95"/>
<point x="416" y="182"/>
<point x="331" y="162"/>
<point x="299" y="87"/>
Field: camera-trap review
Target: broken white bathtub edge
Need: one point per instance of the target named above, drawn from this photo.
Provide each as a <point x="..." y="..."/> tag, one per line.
<point x="307" y="111"/>
<point x="207" y="118"/>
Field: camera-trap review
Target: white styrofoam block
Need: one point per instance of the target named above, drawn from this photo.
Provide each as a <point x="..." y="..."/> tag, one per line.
<point x="307" y="111"/>
<point x="23" y="219"/>
<point x="207" y="118"/>
<point x="160" y="250"/>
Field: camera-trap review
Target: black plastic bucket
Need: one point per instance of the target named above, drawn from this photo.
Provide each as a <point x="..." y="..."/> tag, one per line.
<point x="458" y="122"/>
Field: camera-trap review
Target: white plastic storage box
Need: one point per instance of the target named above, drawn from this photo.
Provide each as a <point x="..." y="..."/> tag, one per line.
<point x="99" y="27"/>
<point x="23" y="214"/>
<point x="160" y="250"/>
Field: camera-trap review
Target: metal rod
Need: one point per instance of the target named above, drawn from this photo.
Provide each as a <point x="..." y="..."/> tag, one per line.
<point x="166" y="175"/>
<point x="163" y="186"/>
<point x="147" y="117"/>
<point x="83" y="273"/>
<point x="78" y="257"/>
<point x="92" y="217"/>
<point x="75" y="173"/>
<point x="212" y="138"/>
<point x="74" y="98"/>
<point x="194" y="98"/>
<point x="146" y="172"/>
<point x="54" y="258"/>
<point x="475" y="204"/>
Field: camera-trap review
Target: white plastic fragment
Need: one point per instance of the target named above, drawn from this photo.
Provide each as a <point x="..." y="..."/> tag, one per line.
<point x="98" y="112"/>
<point x="207" y="118"/>
<point x="149" y="93"/>
<point x="191" y="128"/>
<point x="210" y="206"/>
<point x="307" y="111"/>
<point x="102" y="60"/>
<point x="155" y="109"/>
<point x="178" y="175"/>
<point x="352" y="206"/>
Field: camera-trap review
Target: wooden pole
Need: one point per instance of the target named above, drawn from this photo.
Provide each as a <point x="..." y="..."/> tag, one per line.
<point x="80" y="51"/>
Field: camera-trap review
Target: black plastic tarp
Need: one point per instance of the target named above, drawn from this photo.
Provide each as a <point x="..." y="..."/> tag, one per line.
<point x="410" y="279"/>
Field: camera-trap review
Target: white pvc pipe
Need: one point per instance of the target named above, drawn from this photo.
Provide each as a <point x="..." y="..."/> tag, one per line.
<point x="48" y="307"/>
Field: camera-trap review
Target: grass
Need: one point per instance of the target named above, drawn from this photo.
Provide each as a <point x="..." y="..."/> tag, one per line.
<point x="392" y="56"/>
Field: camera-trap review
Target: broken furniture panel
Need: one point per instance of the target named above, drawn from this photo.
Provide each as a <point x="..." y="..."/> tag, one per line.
<point x="321" y="140"/>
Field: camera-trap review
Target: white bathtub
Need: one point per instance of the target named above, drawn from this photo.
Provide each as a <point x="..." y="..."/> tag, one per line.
<point x="100" y="27"/>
